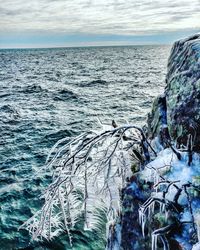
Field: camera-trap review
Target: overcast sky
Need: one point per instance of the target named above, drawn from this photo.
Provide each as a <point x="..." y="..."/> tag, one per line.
<point x="47" y="23"/>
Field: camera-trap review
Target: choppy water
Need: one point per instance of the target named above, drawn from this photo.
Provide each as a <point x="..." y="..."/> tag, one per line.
<point x="46" y="94"/>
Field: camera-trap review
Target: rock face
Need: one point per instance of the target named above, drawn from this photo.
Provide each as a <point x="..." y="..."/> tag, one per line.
<point x="161" y="202"/>
<point x="182" y="94"/>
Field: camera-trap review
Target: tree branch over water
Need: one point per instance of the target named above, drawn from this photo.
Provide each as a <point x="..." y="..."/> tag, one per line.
<point x="87" y="175"/>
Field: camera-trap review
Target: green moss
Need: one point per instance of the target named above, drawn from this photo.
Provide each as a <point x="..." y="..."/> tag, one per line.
<point x="160" y="217"/>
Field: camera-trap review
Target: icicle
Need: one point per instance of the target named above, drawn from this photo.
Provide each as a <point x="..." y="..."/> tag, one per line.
<point x="165" y="242"/>
<point x="162" y="208"/>
<point x="140" y="217"/>
<point x="143" y="225"/>
<point x="197" y="222"/>
<point x="198" y="232"/>
<point x="142" y="220"/>
<point x="154" y="241"/>
<point x="166" y="215"/>
<point x="149" y="212"/>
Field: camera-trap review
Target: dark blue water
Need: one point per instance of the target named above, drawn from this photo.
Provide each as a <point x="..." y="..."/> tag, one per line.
<point x="47" y="94"/>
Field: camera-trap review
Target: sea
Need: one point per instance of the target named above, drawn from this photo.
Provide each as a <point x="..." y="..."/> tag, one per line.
<point x="48" y="94"/>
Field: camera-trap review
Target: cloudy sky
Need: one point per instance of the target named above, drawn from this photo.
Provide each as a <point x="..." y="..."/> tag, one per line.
<point x="49" y="23"/>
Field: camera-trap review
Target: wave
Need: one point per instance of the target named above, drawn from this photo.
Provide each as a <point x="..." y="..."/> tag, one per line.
<point x="65" y="94"/>
<point x="53" y="137"/>
<point x="95" y="83"/>
<point x="33" y="89"/>
<point x="4" y="95"/>
<point x="8" y="109"/>
<point x="9" y="114"/>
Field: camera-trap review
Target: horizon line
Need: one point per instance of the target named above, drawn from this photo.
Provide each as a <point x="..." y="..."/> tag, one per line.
<point x="87" y="46"/>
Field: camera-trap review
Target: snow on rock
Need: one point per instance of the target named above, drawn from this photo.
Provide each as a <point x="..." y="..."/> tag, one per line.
<point x="196" y="246"/>
<point x="168" y="164"/>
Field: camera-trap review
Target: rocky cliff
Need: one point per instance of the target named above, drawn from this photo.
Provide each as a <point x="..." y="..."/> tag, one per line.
<point x="161" y="203"/>
<point x="182" y="94"/>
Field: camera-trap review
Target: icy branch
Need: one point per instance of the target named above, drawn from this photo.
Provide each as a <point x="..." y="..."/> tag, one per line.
<point x="88" y="173"/>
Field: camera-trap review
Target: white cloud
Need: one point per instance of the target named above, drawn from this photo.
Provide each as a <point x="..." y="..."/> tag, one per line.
<point x="121" y="17"/>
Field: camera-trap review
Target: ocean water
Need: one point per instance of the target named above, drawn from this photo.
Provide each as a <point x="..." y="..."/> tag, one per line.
<point x="47" y="94"/>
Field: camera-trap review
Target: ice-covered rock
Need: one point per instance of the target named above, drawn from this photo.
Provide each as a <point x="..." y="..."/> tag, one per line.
<point x="161" y="203"/>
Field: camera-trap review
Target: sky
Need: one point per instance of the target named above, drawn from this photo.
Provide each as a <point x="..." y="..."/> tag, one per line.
<point x="63" y="23"/>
